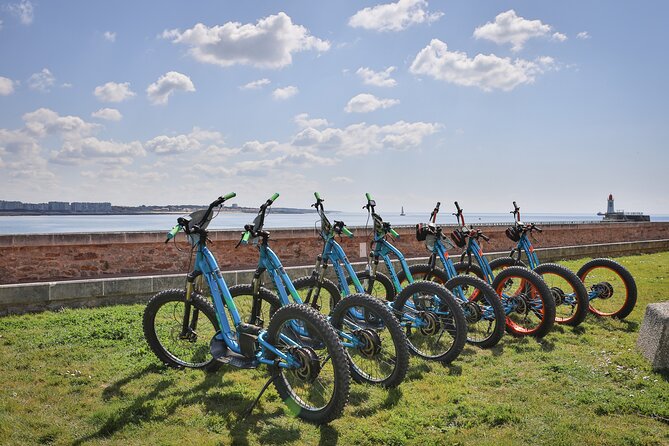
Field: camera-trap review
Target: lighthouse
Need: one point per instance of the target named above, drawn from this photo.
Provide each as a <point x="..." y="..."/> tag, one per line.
<point x="609" y="205"/>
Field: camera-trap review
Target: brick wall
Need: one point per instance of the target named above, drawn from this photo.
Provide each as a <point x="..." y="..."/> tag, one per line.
<point x="40" y="258"/>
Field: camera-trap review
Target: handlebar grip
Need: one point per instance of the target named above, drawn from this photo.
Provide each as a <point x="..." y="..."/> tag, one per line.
<point x="438" y="204"/>
<point x="346" y="232"/>
<point x="538" y="229"/>
<point x="173" y="233"/>
<point x="394" y="233"/>
<point x="369" y="197"/>
<point x="229" y="195"/>
<point x="457" y="206"/>
<point x="486" y="238"/>
<point x="273" y="197"/>
<point x="246" y="236"/>
<point x="317" y="195"/>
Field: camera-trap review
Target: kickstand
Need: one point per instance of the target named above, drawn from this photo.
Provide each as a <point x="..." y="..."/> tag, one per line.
<point x="249" y="409"/>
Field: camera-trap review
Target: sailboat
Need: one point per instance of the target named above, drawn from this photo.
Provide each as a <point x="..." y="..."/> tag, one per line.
<point x="402" y="213"/>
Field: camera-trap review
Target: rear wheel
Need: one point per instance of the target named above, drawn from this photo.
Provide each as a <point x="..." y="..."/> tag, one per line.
<point x="267" y="305"/>
<point x="482" y="307"/>
<point x="380" y="287"/>
<point x="163" y="323"/>
<point x="381" y="356"/>
<point x="528" y="302"/>
<point x="316" y="389"/>
<point x="571" y="298"/>
<point x="434" y="322"/>
<point x="611" y="288"/>
<point x="463" y="268"/>
<point x="323" y="298"/>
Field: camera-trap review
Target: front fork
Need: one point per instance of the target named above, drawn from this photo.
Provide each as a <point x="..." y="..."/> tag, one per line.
<point x="188" y="324"/>
<point x="318" y="274"/>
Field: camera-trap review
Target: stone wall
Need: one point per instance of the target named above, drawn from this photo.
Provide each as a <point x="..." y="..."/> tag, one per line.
<point x="53" y="257"/>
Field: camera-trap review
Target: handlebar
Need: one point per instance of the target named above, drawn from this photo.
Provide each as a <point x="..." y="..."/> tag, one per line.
<point x="255" y="229"/>
<point x="346" y="231"/>
<point x="516" y="211"/>
<point x="433" y="217"/>
<point x="458" y="215"/>
<point x="184" y="225"/>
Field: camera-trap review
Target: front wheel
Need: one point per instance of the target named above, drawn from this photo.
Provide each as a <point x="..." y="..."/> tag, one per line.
<point x="611" y="288"/>
<point x="380" y="286"/>
<point x="527" y="300"/>
<point x="316" y="387"/>
<point x="323" y="298"/>
<point x="434" y="322"/>
<point x="174" y="345"/>
<point x="378" y="351"/>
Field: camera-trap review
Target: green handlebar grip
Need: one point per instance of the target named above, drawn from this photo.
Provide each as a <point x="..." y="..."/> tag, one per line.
<point x="229" y="196"/>
<point x="274" y="197"/>
<point x="346" y="231"/>
<point x="173" y="233"/>
<point x="245" y="237"/>
<point x="369" y="197"/>
<point x="394" y="233"/>
<point x="317" y="195"/>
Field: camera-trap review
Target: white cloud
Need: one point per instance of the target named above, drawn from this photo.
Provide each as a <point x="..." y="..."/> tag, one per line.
<point x="268" y="44"/>
<point x="303" y="121"/>
<point x="346" y="180"/>
<point x="394" y="16"/>
<point x="43" y="122"/>
<point x="66" y="85"/>
<point x="377" y="78"/>
<point x="86" y="149"/>
<point x="0" y="28"/>
<point x="255" y="85"/>
<point x="6" y="86"/>
<point x="194" y="141"/>
<point x="159" y="92"/>
<point x="281" y="94"/>
<point x="487" y="72"/>
<point x="113" y="92"/>
<point x="365" y="103"/>
<point x="510" y="28"/>
<point x="583" y="35"/>
<point x="108" y="114"/>
<point x="260" y="147"/>
<point x="41" y="81"/>
<point x="109" y="36"/>
<point x="23" y="10"/>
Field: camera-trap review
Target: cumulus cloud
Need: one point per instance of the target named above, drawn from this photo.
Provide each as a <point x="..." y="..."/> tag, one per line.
<point x="44" y="122"/>
<point x="108" y="114"/>
<point x="508" y="27"/>
<point x="281" y="94"/>
<point x="6" y="86"/>
<point x="42" y="81"/>
<point x="393" y="16"/>
<point x="113" y="92"/>
<point x="303" y="121"/>
<point x="196" y="140"/>
<point x="109" y="36"/>
<point x="255" y="85"/>
<point x="487" y="72"/>
<point x="270" y="43"/>
<point x="365" y="103"/>
<point x="85" y="149"/>
<point x="23" y="10"/>
<point x="159" y="92"/>
<point x="342" y="180"/>
<point x="583" y="35"/>
<point x="377" y="78"/>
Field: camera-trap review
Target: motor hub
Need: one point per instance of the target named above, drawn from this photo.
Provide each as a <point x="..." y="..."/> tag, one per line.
<point x="473" y="312"/>
<point x="371" y="342"/>
<point x="310" y="365"/>
<point x="432" y="325"/>
<point x="558" y="295"/>
<point x="604" y="290"/>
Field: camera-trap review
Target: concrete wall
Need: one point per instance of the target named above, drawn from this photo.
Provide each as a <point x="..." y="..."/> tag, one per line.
<point x="51" y="257"/>
<point x="21" y="298"/>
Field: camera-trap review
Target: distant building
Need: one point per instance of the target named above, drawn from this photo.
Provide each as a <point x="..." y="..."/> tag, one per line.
<point x="59" y="206"/>
<point x="90" y="207"/>
<point x="613" y="215"/>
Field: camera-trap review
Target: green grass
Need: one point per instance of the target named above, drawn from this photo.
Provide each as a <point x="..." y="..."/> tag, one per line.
<point x="87" y="377"/>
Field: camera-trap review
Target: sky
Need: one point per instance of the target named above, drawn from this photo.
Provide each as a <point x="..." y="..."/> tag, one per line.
<point x="552" y="104"/>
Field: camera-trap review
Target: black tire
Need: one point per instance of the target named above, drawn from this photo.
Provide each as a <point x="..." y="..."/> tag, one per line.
<point x="571" y="297"/>
<point x="381" y="287"/>
<point x="243" y="298"/>
<point x="163" y="322"/>
<point x="328" y="295"/>
<point x="417" y="300"/>
<point x="534" y="306"/>
<point x="621" y="292"/>
<point x="472" y="270"/>
<point x="482" y="307"/>
<point x="333" y="376"/>
<point x="384" y="358"/>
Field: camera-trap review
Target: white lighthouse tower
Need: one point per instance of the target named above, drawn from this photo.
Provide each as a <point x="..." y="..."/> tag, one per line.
<point x="609" y="205"/>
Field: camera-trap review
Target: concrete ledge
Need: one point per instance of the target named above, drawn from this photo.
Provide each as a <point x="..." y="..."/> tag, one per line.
<point x="21" y="298"/>
<point x="653" y="338"/>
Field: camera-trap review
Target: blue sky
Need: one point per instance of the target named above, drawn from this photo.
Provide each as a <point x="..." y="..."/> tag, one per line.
<point x="552" y="104"/>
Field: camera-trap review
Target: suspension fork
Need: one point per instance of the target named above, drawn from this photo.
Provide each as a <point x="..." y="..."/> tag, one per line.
<point x="373" y="267"/>
<point x="318" y="274"/>
<point x="256" y="283"/>
<point x="188" y="325"/>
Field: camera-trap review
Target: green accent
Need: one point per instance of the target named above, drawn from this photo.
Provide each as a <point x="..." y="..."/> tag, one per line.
<point x="317" y="195"/>
<point x="173" y="232"/>
<point x="346" y="231"/>
<point x="394" y="233"/>
<point x="369" y="197"/>
<point x="274" y="197"/>
<point x="245" y="237"/>
<point x="229" y="196"/>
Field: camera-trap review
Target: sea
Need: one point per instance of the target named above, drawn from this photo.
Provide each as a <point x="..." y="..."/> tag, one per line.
<point x="54" y="224"/>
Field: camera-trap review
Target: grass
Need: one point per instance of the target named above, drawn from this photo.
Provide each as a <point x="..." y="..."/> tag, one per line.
<point x="86" y="376"/>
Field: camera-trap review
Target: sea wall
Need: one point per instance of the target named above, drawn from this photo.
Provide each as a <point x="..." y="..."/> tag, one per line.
<point x="56" y="257"/>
